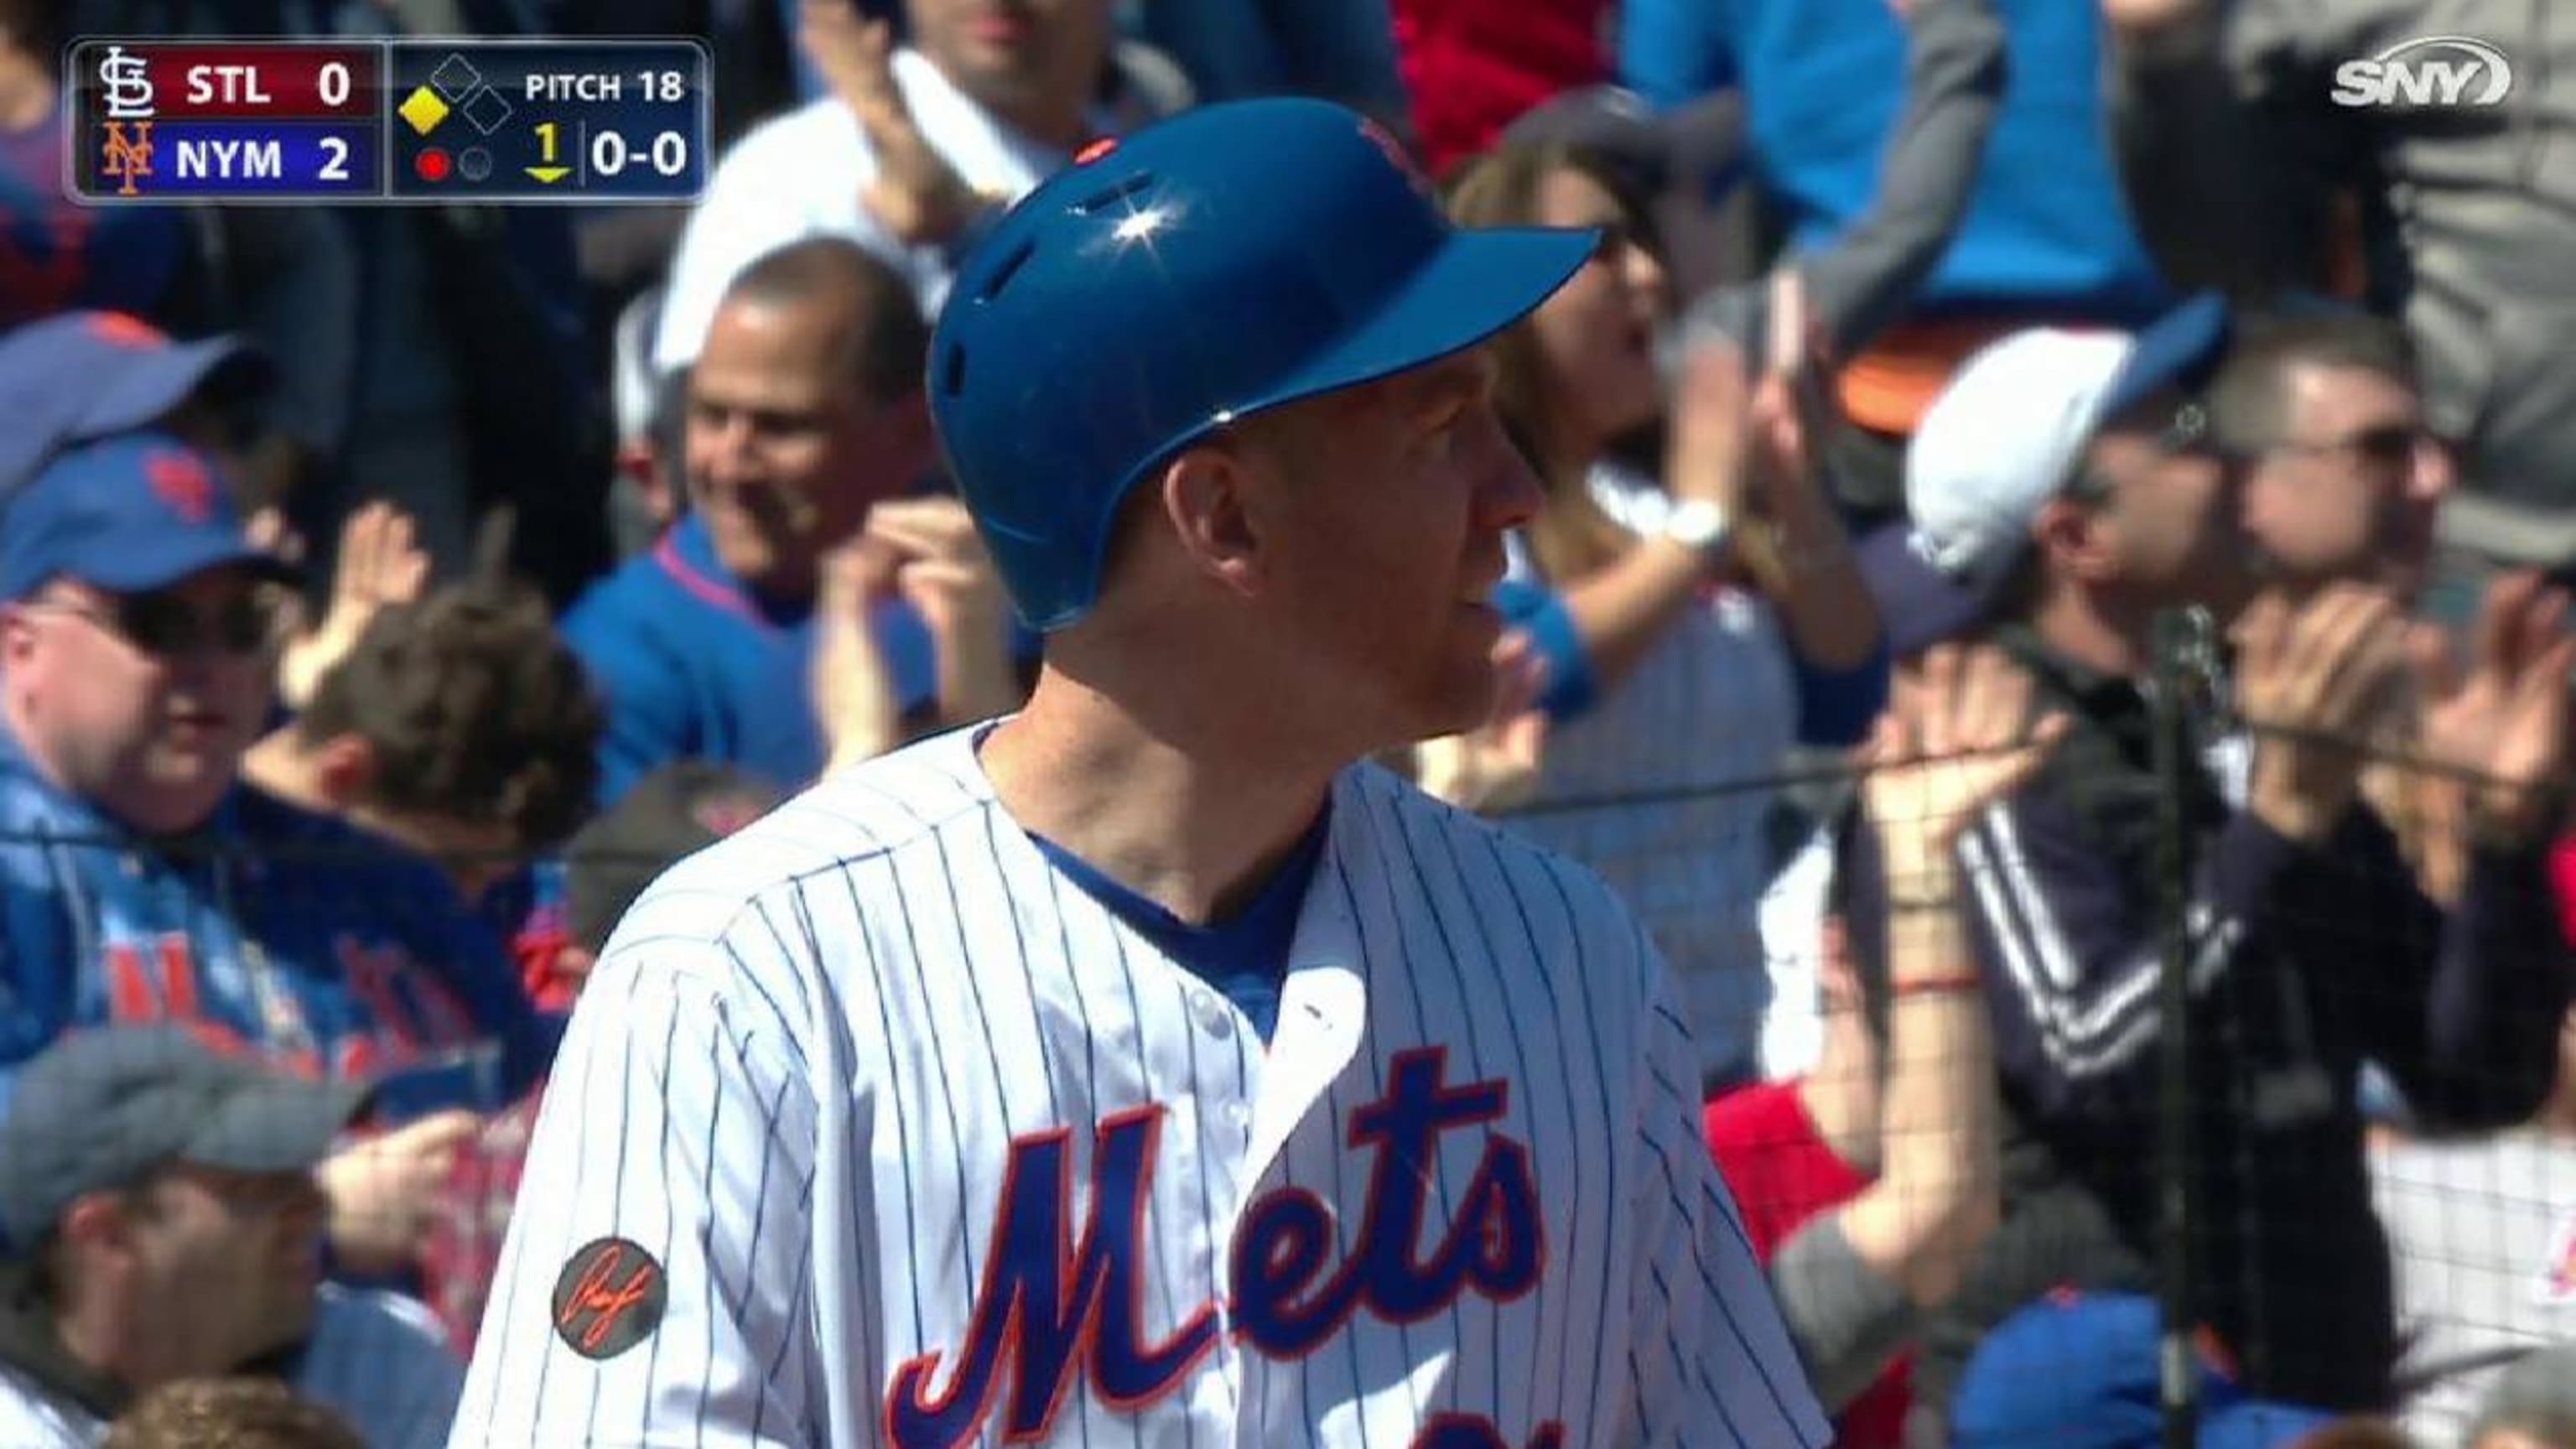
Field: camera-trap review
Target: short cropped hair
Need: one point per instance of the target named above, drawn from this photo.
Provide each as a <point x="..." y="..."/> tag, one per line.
<point x="889" y="340"/>
<point x="475" y="708"/>
<point x="2249" y="400"/>
<point x="229" y="1413"/>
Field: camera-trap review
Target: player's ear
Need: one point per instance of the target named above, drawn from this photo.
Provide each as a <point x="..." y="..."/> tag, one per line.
<point x="1206" y="504"/>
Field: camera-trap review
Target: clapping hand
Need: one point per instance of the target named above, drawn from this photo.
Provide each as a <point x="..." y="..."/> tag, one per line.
<point x="854" y="696"/>
<point x="2315" y="679"/>
<point x="943" y="570"/>
<point x="1957" y="737"/>
<point x="2504" y="723"/>
<point x="378" y="565"/>
<point x="915" y="194"/>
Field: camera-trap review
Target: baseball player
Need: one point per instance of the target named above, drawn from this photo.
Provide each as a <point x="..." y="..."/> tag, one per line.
<point x="1139" y="1069"/>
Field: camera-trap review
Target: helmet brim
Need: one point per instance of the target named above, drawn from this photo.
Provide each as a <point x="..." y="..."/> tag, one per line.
<point x="1481" y="281"/>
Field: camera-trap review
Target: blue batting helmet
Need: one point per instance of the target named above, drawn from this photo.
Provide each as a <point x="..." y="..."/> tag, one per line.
<point x="1231" y="259"/>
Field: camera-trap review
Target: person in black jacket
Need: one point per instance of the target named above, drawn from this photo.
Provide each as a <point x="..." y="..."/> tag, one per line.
<point x="2065" y="492"/>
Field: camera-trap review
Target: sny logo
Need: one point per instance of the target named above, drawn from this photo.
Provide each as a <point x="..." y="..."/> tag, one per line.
<point x="2413" y="73"/>
<point x="123" y="158"/>
<point x="1060" y="1302"/>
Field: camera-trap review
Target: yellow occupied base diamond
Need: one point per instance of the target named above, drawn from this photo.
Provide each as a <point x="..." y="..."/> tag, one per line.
<point x="424" y="110"/>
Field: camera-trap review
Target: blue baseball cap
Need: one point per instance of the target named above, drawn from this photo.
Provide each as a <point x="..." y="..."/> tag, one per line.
<point x="83" y="375"/>
<point x="128" y="514"/>
<point x="2004" y="438"/>
<point x="2077" y="1370"/>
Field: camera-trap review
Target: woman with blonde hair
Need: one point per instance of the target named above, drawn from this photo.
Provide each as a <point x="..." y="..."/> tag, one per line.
<point x="1696" y="627"/>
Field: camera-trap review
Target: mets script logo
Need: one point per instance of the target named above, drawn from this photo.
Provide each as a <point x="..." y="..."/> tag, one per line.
<point x="1061" y="1302"/>
<point x="608" y="1298"/>
<point x="126" y="154"/>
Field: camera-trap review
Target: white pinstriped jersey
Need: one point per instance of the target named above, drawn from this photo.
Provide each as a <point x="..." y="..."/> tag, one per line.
<point x="894" y="1136"/>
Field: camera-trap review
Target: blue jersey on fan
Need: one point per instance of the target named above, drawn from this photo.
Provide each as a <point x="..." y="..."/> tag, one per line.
<point x="695" y="666"/>
<point x="278" y="930"/>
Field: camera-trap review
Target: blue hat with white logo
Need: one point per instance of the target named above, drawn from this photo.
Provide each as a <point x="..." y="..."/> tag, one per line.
<point x="127" y="514"/>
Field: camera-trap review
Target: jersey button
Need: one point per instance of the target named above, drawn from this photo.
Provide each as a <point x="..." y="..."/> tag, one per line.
<point x="1237" y="1115"/>
<point x="1213" y="1015"/>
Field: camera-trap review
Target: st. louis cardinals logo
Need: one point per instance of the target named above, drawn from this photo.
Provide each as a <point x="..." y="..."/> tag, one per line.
<point x="1057" y="1305"/>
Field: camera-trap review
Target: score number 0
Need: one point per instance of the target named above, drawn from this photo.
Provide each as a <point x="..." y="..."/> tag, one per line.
<point x="608" y="150"/>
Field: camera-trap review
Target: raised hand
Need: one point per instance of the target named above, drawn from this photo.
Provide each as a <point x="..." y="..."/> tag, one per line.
<point x="2315" y="680"/>
<point x="385" y="1191"/>
<point x="1957" y="736"/>
<point x="2504" y="722"/>
<point x="1705" y="451"/>
<point x="943" y="570"/>
<point x="854" y="696"/>
<point x="915" y="194"/>
<point x="378" y="564"/>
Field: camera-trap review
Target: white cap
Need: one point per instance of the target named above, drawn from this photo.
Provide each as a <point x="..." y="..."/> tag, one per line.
<point x="2001" y="440"/>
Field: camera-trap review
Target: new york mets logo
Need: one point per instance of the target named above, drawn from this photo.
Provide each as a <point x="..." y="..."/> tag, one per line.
<point x="126" y="156"/>
<point x="1062" y="1301"/>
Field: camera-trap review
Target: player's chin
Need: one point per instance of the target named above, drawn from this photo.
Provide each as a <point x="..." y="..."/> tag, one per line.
<point x="1462" y="693"/>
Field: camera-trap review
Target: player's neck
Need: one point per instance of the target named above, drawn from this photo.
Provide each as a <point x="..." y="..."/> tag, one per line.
<point x="1193" y="809"/>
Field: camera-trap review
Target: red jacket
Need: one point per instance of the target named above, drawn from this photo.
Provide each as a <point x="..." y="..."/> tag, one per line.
<point x="1472" y="66"/>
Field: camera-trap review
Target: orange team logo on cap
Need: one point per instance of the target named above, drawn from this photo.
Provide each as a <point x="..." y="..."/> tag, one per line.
<point x="126" y="330"/>
<point x="1095" y="148"/>
<point x="183" y="483"/>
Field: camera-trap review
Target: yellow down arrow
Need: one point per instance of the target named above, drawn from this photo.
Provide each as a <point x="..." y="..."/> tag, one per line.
<point x="550" y="174"/>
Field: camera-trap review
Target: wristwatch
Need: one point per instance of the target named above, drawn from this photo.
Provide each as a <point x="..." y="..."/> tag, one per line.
<point x="1700" y="526"/>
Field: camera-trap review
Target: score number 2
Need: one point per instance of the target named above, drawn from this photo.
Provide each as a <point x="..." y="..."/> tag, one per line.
<point x="608" y="149"/>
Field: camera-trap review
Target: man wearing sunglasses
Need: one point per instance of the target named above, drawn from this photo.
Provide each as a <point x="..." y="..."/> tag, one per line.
<point x="2343" y="475"/>
<point x="2067" y="492"/>
<point x="140" y="882"/>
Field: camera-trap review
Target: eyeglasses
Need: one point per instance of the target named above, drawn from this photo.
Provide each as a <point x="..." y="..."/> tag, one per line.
<point x="162" y="623"/>
<point x="2388" y="445"/>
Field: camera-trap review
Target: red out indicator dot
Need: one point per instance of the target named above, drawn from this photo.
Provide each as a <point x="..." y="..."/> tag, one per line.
<point x="431" y="164"/>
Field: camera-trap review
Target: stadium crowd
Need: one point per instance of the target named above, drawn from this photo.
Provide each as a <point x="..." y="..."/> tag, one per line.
<point x="388" y="595"/>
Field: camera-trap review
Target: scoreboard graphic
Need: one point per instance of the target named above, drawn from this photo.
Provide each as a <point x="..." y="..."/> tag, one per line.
<point x="409" y="120"/>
